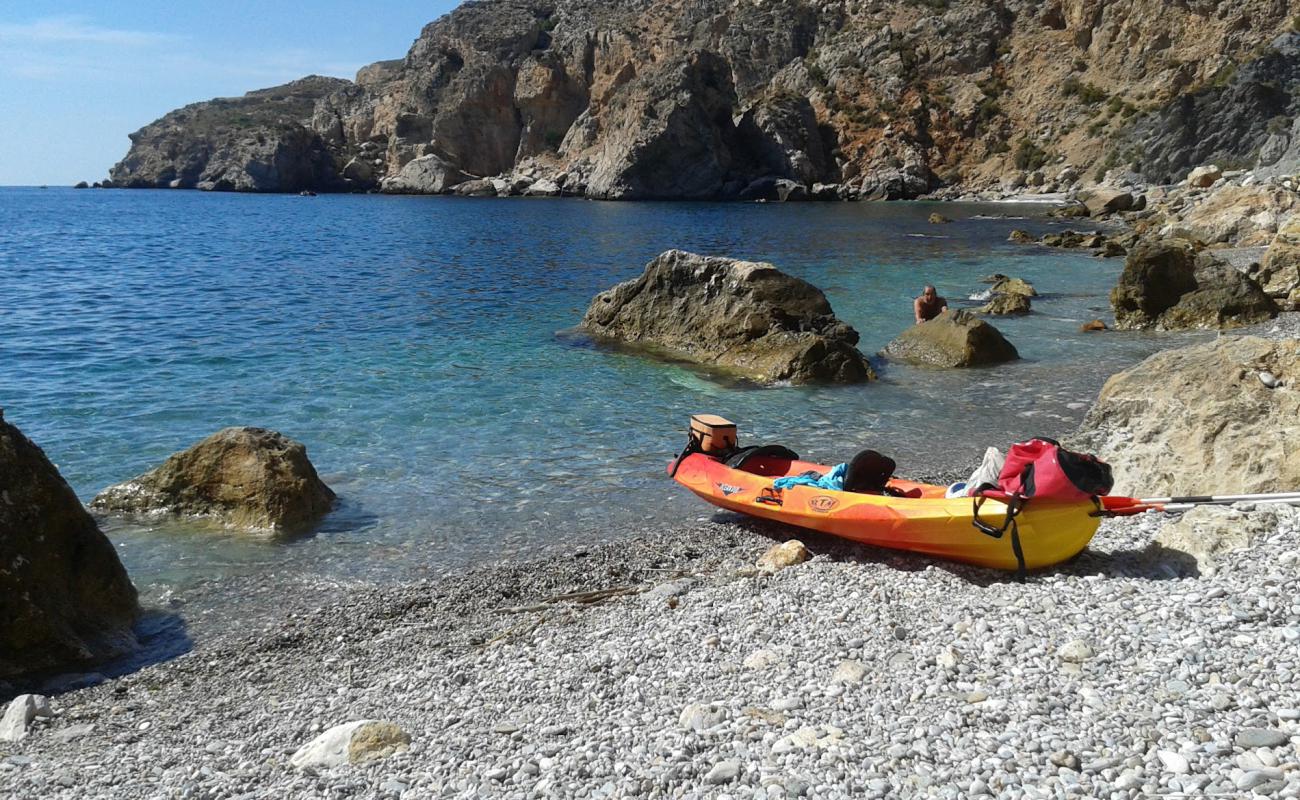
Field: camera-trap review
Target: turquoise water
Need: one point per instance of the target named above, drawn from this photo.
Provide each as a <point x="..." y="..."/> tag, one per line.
<point x="422" y="349"/>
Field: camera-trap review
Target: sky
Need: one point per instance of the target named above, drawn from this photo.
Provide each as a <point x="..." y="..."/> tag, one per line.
<point x="77" y="77"/>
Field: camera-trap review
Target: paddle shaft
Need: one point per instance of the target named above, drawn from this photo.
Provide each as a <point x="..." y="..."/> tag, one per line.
<point x="1202" y="499"/>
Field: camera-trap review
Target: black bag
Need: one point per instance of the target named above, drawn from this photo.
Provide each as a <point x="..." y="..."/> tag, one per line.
<point x="868" y="473"/>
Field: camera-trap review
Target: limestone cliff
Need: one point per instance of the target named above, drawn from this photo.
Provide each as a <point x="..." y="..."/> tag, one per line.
<point x="702" y="98"/>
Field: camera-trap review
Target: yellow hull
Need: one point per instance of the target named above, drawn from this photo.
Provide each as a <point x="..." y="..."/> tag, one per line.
<point x="1050" y="533"/>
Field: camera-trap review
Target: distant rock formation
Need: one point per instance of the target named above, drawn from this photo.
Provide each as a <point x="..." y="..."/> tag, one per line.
<point x="247" y="478"/>
<point x="744" y="317"/>
<point x="1202" y="419"/>
<point x="702" y="98"/>
<point x="1166" y="284"/>
<point x="65" y="599"/>
<point x="952" y="339"/>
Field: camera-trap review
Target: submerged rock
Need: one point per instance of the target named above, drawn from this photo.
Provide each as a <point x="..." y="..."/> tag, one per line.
<point x="65" y="599"/>
<point x="745" y="317"/>
<point x="952" y="339"/>
<point x="1237" y="437"/>
<point x="248" y="478"/>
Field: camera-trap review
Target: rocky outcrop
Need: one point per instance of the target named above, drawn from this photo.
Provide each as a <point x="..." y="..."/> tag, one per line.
<point x="1242" y="215"/>
<point x="1167" y="285"/>
<point x="952" y="339"/>
<point x="261" y="142"/>
<point x="1199" y="419"/>
<point x="1280" y="269"/>
<point x="1235" y="111"/>
<point x="1205" y="535"/>
<point x="743" y="317"/>
<point x="246" y="478"/>
<point x="67" y="600"/>
<point x="1105" y="200"/>
<point x="670" y="98"/>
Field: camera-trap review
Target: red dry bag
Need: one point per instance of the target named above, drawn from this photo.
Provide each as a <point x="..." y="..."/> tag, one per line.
<point x="1042" y="469"/>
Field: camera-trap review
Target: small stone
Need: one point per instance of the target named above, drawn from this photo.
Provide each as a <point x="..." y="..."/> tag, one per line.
<point x="977" y="696"/>
<point x="1064" y="758"/>
<point x="849" y="672"/>
<point x="1261" y="737"/>
<point x="723" y="772"/>
<point x="1268" y="379"/>
<point x="506" y="727"/>
<point x="1173" y="762"/>
<point x="762" y="659"/>
<point x="1075" y="652"/>
<point x="783" y="555"/>
<point x="699" y="717"/>
<point x="947" y="658"/>
<point x="498" y="774"/>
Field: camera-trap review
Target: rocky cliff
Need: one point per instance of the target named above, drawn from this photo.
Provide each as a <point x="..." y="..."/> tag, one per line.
<point x="702" y="98"/>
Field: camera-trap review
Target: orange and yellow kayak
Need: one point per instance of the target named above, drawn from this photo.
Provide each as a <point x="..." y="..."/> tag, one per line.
<point x="929" y="523"/>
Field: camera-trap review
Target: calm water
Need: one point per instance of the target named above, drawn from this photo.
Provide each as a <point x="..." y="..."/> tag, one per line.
<point x="420" y="347"/>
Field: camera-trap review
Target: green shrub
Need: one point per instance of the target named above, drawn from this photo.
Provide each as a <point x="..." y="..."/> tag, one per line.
<point x="1029" y="156"/>
<point x="1086" y="92"/>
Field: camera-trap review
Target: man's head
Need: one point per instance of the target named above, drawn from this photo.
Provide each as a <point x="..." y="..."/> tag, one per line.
<point x="928" y="292"/>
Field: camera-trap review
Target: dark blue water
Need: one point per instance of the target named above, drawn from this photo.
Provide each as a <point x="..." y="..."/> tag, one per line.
<point x="418" y="347"/>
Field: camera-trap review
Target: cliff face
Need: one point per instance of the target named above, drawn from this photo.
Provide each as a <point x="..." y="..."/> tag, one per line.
<point x="701" y="98"/>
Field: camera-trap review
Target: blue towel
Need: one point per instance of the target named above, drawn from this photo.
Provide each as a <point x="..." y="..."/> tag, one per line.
<point x="834" y="480"/>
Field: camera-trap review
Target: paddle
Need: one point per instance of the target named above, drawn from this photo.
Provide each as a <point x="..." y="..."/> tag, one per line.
<point x="1130" y="505"/>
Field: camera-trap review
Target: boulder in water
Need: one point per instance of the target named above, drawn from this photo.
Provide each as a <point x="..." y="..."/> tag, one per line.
<point x="952" y="339"/>
<point x="1014" y="286"/>
<point x="745" y="317"/>
<point x="1005" y="303"/>
<point x="1198" y="419"/>
<point x="65" y="599"/>
<point x="247" y="478"/>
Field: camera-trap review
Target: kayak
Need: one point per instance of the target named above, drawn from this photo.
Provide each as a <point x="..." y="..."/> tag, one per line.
<point x="925" y="522"/>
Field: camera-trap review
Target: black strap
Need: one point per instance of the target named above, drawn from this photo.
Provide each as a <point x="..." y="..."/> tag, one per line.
<point x="1015" y="504"/>
<point x="692" y="446"/>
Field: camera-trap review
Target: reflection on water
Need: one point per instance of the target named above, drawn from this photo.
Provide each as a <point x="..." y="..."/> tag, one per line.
<point x="422" y="349"/>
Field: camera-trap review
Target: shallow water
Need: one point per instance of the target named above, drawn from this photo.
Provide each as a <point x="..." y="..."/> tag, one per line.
<point x="422" y="349"/>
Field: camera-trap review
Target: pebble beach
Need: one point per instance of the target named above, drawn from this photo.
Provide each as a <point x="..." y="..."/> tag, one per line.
<point x="667" y="666"/>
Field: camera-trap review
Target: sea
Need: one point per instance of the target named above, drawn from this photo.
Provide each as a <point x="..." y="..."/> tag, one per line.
<point x="425" y="351"/>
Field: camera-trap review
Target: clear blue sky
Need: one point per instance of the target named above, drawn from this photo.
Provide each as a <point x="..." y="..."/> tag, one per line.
<point x="77" y="77"/>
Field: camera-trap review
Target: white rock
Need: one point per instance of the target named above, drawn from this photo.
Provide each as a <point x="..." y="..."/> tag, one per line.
<point x="1268" y="379"/>
<point x="18" y="717"/>
<point x="723" y="772"/>
<point x="700" y="717"/>
<point x="1173" y="762"/>
<point x="1075" y="652"/>
<point x="352" y="743"/>
<point x="849" y="672"/>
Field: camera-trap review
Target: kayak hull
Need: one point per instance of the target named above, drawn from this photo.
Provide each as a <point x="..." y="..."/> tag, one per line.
<point x="1050" y="533"/>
